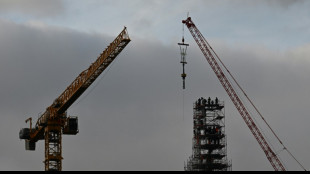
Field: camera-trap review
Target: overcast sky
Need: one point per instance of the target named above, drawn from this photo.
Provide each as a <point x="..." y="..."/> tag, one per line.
<point x="132" y="117"/>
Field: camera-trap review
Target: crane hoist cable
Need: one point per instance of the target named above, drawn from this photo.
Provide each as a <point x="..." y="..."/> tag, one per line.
<point x="258" y="112"/>
<point x="95" y="85"/>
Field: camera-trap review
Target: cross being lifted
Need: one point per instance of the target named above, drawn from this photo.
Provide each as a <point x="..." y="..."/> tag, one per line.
<point x="183" y="48"/>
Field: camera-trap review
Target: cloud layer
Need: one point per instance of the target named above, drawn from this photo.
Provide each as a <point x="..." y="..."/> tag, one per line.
<point x="38" y="8"/>
<point x="132" y="118"/>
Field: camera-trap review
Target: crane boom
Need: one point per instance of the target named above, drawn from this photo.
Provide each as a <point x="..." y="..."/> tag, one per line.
<point x="206" y="50"/>
<point x="54" y="121"/>
<point x="83" y="81"/>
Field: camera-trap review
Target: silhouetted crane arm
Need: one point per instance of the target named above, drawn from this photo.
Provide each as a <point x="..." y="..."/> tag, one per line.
<point x="80" y="84"/>
<point x="206" y="50"/>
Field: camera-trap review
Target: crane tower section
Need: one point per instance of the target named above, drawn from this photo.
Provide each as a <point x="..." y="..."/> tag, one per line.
<point x="209" y="149"/>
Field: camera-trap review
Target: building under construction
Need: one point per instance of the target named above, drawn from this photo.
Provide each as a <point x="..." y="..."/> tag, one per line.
<point x="209" y="139"/>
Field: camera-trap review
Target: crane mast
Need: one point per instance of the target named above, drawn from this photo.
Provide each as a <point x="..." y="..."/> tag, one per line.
<point x="54" y="121"/>
<point x="206" y="50"/>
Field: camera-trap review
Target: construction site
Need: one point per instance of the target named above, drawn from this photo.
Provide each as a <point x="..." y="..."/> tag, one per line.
<point x="209" y="138"/>
<point x="154" y="85"/>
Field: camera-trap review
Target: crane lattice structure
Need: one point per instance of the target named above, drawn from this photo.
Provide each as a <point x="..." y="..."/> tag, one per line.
<point x="54" y="121"/>
<point x="210" y="55"/>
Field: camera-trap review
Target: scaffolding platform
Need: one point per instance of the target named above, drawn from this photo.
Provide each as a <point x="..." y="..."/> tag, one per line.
<point x="209" y="139"/>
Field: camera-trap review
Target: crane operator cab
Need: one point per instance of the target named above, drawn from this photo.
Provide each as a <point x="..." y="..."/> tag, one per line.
<point x="71" y="126"/>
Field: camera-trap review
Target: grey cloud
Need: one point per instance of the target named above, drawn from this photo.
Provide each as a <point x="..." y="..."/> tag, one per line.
<point x="39" y="8"/>
<point x="284" y="3"/>
<point x="273" y="3"/>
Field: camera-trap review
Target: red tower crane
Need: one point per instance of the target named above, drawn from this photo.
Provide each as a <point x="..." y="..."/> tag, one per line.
<point x="210" y="55"/>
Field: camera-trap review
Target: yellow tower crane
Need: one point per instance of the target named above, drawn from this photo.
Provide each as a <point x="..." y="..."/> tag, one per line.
<point x="54" y="121"/>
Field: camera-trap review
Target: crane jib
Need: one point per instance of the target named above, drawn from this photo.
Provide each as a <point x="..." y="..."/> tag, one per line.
<point x="82" y="82"/>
